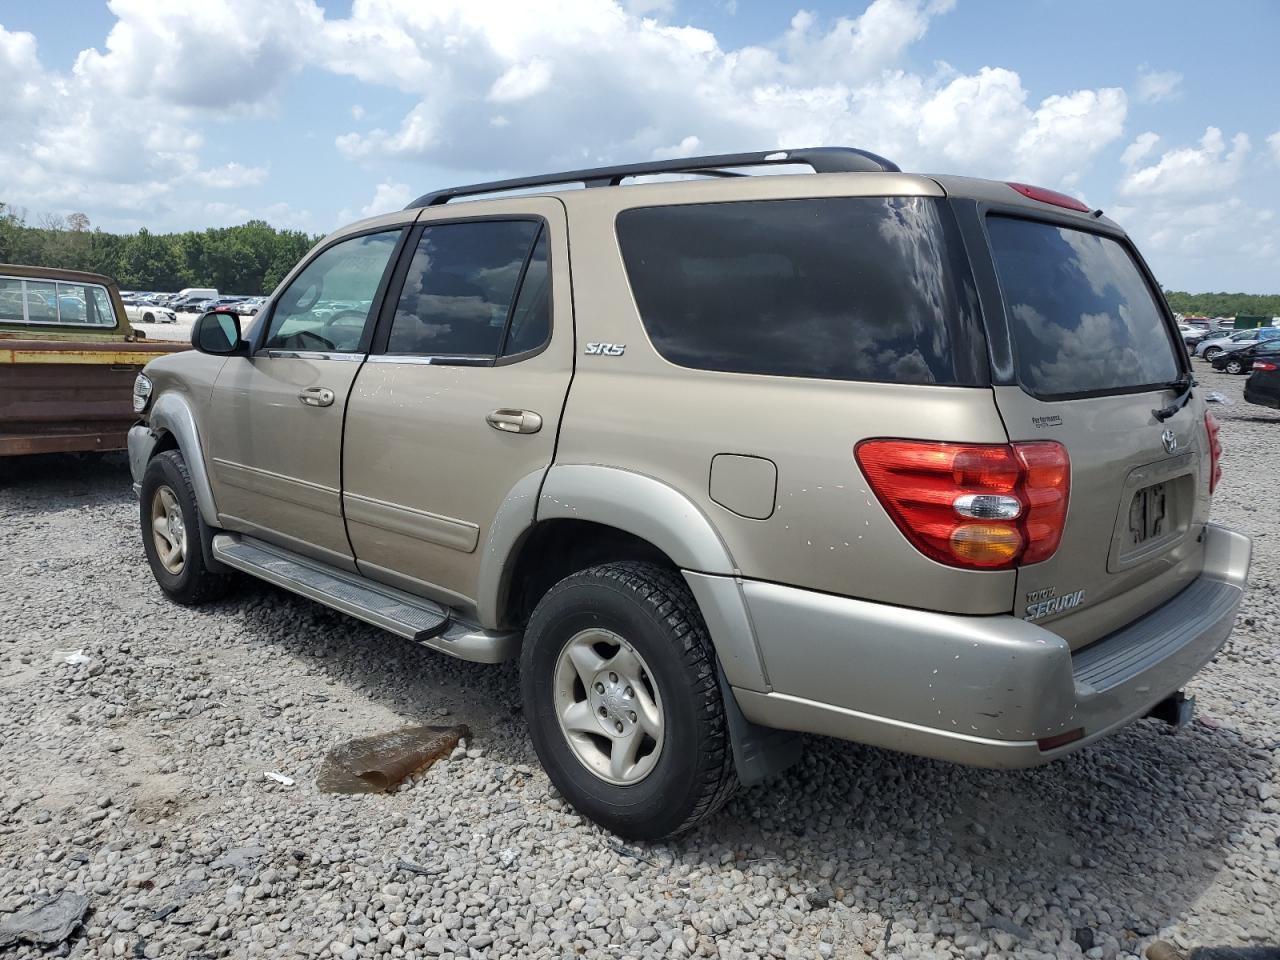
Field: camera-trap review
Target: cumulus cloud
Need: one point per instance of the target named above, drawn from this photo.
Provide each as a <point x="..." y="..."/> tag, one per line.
<point x="1208" y="168"/>
<point x="1156" y="85"/>
<point x="386" y="198"/>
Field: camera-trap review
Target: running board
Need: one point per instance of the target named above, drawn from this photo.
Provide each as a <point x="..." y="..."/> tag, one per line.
<point x="403" y="614"/>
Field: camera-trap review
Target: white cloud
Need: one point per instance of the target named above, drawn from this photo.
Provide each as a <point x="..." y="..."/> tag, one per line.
<point x="521" y="81"/>
<point x="229" y="175"/>
<point x="1273" y="142"/>
<point x="1156" y="85"/>
<point x="1209" y="168"/>
<point x="386" y="198"/>
<point x="1139" y="149"/>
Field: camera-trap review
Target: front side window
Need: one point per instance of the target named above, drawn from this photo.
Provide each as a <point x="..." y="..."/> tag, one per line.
<point x="837" y="288"/>
<point x="458" y="292"/>
<point x="327" y="305"/>
<point x="1083" y="318"/>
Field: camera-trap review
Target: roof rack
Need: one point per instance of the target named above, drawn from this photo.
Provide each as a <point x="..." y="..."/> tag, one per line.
<point x="820" y="159"/>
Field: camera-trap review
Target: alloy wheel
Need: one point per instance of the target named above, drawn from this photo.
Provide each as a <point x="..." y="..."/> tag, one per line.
<point x="608" y="706"/>
<point x="168" y="529"/>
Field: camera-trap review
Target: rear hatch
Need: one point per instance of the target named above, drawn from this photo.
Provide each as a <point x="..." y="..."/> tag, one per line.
<point x="1094" y="354"/>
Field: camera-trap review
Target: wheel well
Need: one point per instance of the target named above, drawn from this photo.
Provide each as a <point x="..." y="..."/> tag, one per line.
<point x="166" y="441"/>
<point x="554" y="549"/>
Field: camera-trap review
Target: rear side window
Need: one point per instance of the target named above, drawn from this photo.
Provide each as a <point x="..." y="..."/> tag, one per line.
<point x="1083" y="319"/>
<point x="836" y="288"/>
<point x="459" y="289"/>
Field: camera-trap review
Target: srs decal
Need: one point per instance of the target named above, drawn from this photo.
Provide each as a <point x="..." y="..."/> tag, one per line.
<point x="605" y="349"/>
<point x="1042" y="603"/>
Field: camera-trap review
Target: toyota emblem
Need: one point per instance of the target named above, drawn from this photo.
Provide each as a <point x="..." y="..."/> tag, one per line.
<point x="1170" y="441"/>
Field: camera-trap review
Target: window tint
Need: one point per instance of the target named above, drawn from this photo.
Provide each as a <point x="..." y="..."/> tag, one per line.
<point x="1082" y="316"/>
<point x="458" y="290"/>
<point x="531" y="318"/>
<point x="326" y="306"/>
<point x="872" y="288"/>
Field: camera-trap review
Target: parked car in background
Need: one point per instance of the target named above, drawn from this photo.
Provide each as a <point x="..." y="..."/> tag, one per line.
<point x="1242" y="360"/>
<point x="146" y="312"/>
<point x="203" y="293"/>
<point x="1213" y="346"/>
<point x="1191" y="336"/>
<point x="995" y="563"/>
<point x="68" y="357"/>
<point x="1263" y="385"/>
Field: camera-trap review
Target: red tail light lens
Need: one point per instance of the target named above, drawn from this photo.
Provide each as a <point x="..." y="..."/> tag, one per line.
<point x="978" y="506"/>
<point x="1264" y="365"/>
<point x="1215" y="450"/>
<point x="1049" y="196"/>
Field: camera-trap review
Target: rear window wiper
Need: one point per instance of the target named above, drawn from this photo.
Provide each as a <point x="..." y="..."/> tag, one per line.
<point x="1183" y="384"/>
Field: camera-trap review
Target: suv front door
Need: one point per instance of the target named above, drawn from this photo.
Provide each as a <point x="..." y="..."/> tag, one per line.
<point x="460" y="399"/>
<point x="275" y="449"/>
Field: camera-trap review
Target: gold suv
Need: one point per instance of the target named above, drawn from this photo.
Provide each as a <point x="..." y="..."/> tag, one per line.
<point x="916" y="461"/>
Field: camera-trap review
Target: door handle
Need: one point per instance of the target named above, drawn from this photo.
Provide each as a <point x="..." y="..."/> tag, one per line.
<point x="515" y="421"/>
<point x="316" y="396"/>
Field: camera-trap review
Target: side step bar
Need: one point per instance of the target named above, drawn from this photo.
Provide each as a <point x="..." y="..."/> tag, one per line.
<point x="403" y="614"/>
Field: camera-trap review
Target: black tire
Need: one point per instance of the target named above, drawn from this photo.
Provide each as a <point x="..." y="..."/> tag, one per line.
<point x="1235" y="366"/>
<point x="194" y="583"/>
<point x="1212" y="352"/>
<point x="652" y="608"/>
<point x="148" y="318"/>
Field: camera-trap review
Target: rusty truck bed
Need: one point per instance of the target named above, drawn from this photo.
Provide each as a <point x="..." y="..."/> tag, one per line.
<point x="69" y="396"/>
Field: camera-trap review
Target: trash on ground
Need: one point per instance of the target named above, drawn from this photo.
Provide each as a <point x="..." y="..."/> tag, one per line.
<point x="377" y="763"/>
<point x="73" y="657"/>
<point x="279" y="778"/>
<point x="46" y="925"/>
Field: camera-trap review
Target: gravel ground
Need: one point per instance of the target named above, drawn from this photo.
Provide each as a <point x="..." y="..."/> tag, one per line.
<point x="138" y="779"/>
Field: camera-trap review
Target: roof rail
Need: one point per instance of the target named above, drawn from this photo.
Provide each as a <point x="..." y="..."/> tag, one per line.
<point x="820" y="159"/>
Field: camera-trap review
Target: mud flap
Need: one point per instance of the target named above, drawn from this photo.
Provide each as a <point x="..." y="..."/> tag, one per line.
<point x="758" y="752"/>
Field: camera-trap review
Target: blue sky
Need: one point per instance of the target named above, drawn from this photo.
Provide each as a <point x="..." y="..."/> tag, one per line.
<point x="175" y="114"/>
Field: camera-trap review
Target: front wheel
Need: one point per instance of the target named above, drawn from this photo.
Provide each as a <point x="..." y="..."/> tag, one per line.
<point x="171" y="533"/>
<point x="624" y="707"/>
<point x="1235" y="366"/>
<point x="148" y="318"/>
<point x="1212" y="352"/>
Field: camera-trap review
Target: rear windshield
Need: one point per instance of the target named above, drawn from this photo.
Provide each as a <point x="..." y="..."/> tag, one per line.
<point x="1082" y="316"/>
<point x="865" y="288"/>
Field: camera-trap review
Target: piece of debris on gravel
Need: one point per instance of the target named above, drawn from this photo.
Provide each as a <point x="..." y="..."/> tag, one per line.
<point x="137" y="779"/>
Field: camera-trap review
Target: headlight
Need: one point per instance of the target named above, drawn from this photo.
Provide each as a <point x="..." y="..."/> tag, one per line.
<point x="141" y="393"/>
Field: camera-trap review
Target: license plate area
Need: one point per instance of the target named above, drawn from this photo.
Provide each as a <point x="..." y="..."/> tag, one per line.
<point x="1155" y="513"/>
<point x="1148" y="514"/>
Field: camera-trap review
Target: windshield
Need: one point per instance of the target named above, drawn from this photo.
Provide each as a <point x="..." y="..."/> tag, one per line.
<point x="1083" y="318"/>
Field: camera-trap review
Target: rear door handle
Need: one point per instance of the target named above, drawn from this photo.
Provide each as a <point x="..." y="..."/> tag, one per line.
<point x="316" y="396"/>
<point x="515" y="421"/>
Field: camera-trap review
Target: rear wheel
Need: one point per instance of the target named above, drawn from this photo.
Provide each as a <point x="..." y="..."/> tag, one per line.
<point x="620" y="690"/>
<point x="148" y="318"/>
<point x="1212" y="352"/>
<point x="171" y="533"/>
<point x="1235" y="366"/>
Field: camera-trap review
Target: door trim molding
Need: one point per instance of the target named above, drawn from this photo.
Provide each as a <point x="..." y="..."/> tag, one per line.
<point x="405" y="521"/>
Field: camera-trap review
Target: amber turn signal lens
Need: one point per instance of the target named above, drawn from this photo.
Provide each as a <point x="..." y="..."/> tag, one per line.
<point x="986" y="544"/>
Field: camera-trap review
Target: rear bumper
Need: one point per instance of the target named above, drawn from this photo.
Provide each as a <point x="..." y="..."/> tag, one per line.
<point x="979" y="690"/>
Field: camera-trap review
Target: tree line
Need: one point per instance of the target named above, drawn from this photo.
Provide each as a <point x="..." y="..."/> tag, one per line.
<point x="1224" y="304"/>
<point x="248" y="259"/>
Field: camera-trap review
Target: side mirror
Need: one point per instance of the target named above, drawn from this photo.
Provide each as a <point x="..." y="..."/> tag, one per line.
<point x="218" y="334"/>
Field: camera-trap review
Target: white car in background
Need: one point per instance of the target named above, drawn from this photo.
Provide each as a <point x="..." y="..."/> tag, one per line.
<point x="148" y="313"/>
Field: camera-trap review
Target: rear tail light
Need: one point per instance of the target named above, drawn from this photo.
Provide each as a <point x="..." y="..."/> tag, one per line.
<point x="1266" y="365"/>
<point x="977" y="506"/>
<point x="1049" y="196"/>
<point x="1215" y="451"/>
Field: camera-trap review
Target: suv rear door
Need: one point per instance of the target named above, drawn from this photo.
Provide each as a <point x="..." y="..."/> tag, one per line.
<point x="1094" y="353"/>
<point x="458" y="406"/>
